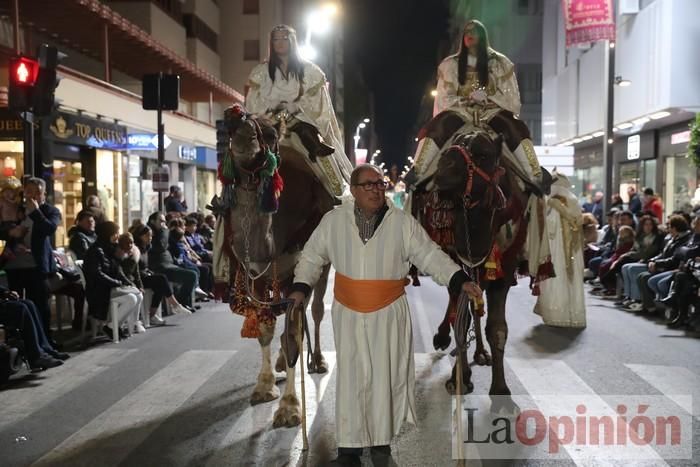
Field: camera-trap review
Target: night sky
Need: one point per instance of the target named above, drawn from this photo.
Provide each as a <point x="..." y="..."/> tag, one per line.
<point x="398" y="45"/>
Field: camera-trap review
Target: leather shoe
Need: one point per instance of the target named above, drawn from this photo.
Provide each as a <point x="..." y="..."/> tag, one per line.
<point x="670" y="300"/>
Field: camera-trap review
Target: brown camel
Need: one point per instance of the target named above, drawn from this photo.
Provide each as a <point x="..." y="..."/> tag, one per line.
<point x="259" y="248"/>
<point x="476" y="205"/>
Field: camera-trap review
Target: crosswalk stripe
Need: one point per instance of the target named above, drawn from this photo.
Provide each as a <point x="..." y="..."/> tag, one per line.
<point x="544" y="378"/>
<point x="282" y="443"/>
<point x="674" y="382"/>
<point x="60" y="381"/>
<point x="138" y="414"/>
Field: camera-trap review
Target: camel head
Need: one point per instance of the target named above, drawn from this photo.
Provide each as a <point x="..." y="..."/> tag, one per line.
<point x="468" y="173"/>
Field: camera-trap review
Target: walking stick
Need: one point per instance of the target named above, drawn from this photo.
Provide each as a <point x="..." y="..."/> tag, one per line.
<point x="461" y="328"/>
<point x="300" y="341"/>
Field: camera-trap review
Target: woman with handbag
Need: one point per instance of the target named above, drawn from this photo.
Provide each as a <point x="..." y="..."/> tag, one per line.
<point x="106" y="282"/>
<point x="141" y="237"/>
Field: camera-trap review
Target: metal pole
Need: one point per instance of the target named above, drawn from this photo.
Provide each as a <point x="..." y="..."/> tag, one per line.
<point x="29" y="164"/>
<point x="608" y="163"/>
<point x="15" y="14"/>
<point x="108" y="71"/>
<point x="161" y="142"/>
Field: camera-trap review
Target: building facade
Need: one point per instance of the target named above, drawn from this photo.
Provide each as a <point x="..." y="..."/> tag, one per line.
<point x="99" y="140"/>
<point x="654" y="55"/>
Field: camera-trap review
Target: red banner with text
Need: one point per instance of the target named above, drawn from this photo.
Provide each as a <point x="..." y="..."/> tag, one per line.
<point x="588" y="21"/>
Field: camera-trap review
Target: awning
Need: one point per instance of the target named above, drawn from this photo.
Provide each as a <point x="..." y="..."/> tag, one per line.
<point x="80" y="25"/>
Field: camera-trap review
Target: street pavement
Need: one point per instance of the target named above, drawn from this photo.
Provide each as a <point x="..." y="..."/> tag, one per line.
<point x="178" y="395"/>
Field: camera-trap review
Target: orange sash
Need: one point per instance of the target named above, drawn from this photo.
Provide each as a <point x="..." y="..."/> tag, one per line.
<point x="367" y="295"/>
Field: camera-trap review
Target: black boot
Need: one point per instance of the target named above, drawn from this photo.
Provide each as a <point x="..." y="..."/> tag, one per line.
<point x="312" y="140"/>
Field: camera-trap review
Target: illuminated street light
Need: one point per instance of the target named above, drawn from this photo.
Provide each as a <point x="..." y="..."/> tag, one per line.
<point x="307" y="52"/>
<point x="433" y="93"/>
<point x="366" y="120"/>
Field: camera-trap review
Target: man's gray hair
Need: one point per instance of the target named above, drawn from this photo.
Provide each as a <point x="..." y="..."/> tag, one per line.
<point x="38" y="182"/>
<point x="355" y="175"/>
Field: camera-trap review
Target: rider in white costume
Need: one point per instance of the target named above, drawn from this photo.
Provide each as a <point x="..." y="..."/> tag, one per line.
<point x="294" y="91"/>
<point x="478" y="86"/>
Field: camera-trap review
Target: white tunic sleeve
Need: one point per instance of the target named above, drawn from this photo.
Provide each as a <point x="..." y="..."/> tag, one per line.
<point x="315" y="254"/>
<point x="447" y="87"/>
<point x="256" y="101"/>
<point x="426" y="254"/>
<point x="507" y="95"/>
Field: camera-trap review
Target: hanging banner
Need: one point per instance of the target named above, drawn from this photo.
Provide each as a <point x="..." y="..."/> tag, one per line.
<point x="588" y="21"/>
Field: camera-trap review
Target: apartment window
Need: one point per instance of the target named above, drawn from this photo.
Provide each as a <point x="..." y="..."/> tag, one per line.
<point x="172" y="7"/>
<point x="251" y="50"/>
<point x="251" y="7"/>
<point x="522" y="7"/>
<point x="198" y="29"/>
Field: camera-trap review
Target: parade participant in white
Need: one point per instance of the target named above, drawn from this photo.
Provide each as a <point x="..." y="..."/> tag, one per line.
<point x="477" y="88"/>
<point x="294" y="91"/>
<point x="561" y="301"/>
<point x="371" y="243"/>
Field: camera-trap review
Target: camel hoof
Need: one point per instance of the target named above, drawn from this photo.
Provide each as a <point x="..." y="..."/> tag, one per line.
<point x="280" y="364"/>
<point x="505" y="406"/>
<point x="451" y="387"/>
<point x="318" y="364"/>
<point x="262" y="395"/>
<point x="441" y="341"/>
<point x="288" y="414"/>
<point x="482" y="357"/>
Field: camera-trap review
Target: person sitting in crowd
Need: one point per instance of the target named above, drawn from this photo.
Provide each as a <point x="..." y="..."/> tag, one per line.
<point x="23" y="316"/>
<point x="649" y="241"/>
<point x="206" y="230"/>
<point x="106" y="282"/>
<point x="160" y="260"/>
<point x="157" y="282"/>
<point x="175" y="203"/>
<point x="684" y="292"/>
<point x="82" y="234"/>
<point x="661" y="266"/>
<point x="186" y="258"/>
<point x="94" y="205"/>
<point x="624" y="243"/>
<point x="196" y="241"/>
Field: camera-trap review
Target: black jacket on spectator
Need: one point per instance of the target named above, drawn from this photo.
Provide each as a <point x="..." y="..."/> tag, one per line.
<point x="102" y="274"/>
<point x="45" y="220"/>
<point x="669" y="258"/>
<point x="635" y="205"/>
<point x="130" y="267"/>
<point x="159" y="257"/>
<point x="80" y="240"/>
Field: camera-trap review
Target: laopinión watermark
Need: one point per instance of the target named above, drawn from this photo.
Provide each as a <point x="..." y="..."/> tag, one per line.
<point x="583" y="427"/>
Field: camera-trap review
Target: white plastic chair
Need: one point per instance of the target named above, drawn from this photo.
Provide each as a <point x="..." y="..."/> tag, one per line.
<point x="111" y="314"/>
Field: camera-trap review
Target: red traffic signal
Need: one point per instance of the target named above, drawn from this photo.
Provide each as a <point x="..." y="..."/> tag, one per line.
<point x="23" y="71"/>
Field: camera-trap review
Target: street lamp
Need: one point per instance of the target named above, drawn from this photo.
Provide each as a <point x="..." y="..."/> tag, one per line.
<point x="433" y="93"/>
<point x="363" y="124"/>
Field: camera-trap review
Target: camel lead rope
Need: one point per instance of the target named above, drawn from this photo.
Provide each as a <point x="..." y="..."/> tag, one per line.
<point x="460" y="445"/>
<point x="300" y="340"/>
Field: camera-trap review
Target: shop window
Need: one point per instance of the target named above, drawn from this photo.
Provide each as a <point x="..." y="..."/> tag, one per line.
<point x="251" y="7"/>
<point x="680" y="185"/>
<point x="110" y="186"/>
<point x="251" y="50"/>
<point x="67" y="196"/>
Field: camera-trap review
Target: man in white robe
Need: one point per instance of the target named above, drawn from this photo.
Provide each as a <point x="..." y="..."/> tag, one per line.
<point x="294" y="91"/>
<point x="561" y="301"/>
<point x="371" y="245"/>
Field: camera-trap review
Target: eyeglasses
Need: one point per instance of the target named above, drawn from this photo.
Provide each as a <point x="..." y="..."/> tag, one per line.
<point x="380" y="185"/>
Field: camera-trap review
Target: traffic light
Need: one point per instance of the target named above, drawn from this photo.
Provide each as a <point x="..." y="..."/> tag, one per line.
<point x="47" y="81"/>
<point x="24" y="73"/>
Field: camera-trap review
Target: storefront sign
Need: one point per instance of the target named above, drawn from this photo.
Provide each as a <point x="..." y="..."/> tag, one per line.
<point x="11" y="126"/>
<point x="588" y="21"/>
<point x="146" y="141"/>
<point x="681" y="137"/>
<point x="187" y="153"/>
<point x="161" y="178"/>
<point x="633" y="144"/>
<point x="76" y="129"/>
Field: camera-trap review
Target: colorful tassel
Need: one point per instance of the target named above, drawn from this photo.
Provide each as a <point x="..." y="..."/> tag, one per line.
<point x="250" y="328"/>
